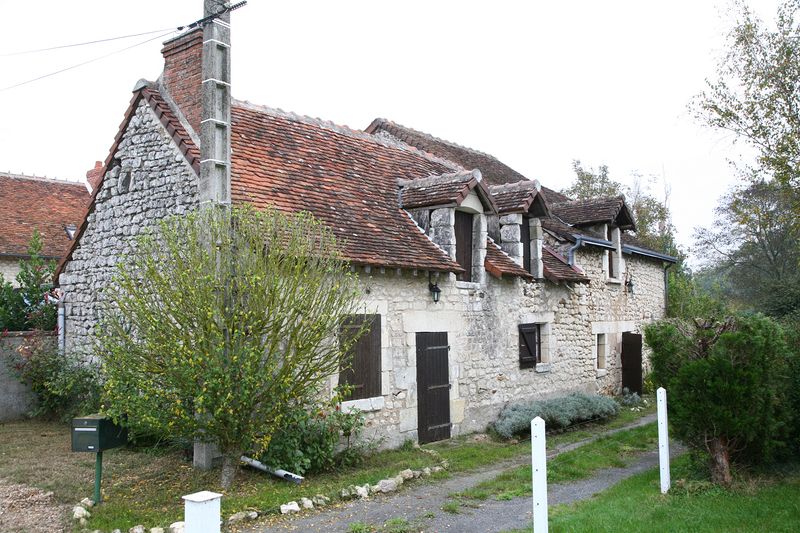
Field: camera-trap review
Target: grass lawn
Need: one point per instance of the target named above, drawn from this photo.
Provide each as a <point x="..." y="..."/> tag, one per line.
<point x="759" y="504"/>
<point x="606" y="452"/>
<point x="144" y="486"/>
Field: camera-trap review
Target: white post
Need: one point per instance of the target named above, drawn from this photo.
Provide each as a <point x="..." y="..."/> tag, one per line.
<point x="201" y="512"/>
<point x="663" y="439"/>
<point x="539" y="473"/>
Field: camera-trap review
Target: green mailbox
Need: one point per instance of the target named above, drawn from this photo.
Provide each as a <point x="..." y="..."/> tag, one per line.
<point x="96" y="433"/>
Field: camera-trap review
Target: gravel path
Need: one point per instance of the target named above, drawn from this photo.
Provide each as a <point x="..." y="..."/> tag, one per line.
<point x="29" y="510"/>
<point x="422" y="503"/>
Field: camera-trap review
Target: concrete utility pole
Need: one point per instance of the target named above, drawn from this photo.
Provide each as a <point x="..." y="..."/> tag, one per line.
<point x="215" y="121"/>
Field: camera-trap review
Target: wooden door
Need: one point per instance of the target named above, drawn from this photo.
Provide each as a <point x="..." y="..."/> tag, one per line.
<point x="433" y="387"/>
<point x="632" y="361"/>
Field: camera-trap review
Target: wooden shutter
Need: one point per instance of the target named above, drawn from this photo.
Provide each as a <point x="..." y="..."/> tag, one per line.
<point x="530" y="345"/>
<point x="611" y="255"/>
<point x="361" y="364"/>
<point x="525" y="237"/>
<point x="463" y="228"/>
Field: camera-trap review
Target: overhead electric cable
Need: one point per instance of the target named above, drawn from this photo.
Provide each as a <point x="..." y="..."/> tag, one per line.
<point x="37" y="50"/>
<point x="84" y="62"/>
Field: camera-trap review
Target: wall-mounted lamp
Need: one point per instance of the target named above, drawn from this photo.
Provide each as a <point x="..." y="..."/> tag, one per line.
<point x="435" y="290"/>
<point x="629" y="285"/>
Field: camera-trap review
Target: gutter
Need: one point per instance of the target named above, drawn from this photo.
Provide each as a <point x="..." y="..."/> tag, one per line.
<point x="629" y="249"/>
<point x="580" y="240"/>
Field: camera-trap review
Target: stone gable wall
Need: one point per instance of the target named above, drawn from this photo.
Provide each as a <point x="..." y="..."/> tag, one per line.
<point x="151" y="181"/>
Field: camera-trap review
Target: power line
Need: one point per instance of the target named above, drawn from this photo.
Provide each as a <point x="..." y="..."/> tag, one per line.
<point x="226" y="8"/>
<point x="85" y="62"/>
<point x="37" y="50"/>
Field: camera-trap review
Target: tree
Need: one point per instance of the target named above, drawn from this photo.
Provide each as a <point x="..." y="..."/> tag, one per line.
<point x="591" y="183"/>
<point x="221" y="342"/>
<point x="756" y="93"/>
<point x="30" y="306"/>
<point x="728" y="386"/>
<point x="752" y="250"/>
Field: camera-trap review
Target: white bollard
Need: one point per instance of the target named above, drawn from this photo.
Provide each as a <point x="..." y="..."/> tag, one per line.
<point x="663" y="439"/>
<point x="202" y="512"/>
<point x="539" y="474"/>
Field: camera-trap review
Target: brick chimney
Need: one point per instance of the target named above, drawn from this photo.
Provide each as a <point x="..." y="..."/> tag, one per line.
<point x="94" y="176"/>
<point x="182" y="77"/>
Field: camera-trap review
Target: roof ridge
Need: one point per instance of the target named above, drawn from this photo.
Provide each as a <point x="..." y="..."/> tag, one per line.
<point x="517" y="185"/>
<point x="436" y="179"/>
<point x="620" y="197"/>
<point x="433" y="137"/>
<point x="344" y="130"/>
<point x="60" y="181"/>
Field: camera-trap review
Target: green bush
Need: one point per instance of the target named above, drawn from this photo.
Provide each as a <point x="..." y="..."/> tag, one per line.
<point x="29" y="307"/>
<point x="727" y="384"/>
<point x="65" y="386"/>
<point x="557" y="413"/>
<point x="316" y="440"/>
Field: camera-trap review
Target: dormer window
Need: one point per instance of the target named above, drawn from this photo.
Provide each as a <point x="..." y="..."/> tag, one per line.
<point x="463" y="231"/>
<point x="612" y="259"/>
<point x="70" y="230"/>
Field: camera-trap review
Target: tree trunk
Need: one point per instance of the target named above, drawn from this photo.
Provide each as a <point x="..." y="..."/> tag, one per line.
<point x="230" y="465"/>
<point x="720" y="461"/>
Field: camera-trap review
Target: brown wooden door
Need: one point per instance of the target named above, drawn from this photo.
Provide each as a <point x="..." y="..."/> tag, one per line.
<point x="433" y="387"/>
<point x="632" y="361"/>
<point x="463" y="229"/>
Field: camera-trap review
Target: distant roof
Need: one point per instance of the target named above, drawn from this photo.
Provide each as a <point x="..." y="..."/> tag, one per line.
<point x="29" y="203"/>
<point x="346" y="178"/>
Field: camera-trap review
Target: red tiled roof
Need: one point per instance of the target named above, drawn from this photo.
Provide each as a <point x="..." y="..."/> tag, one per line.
<point x="445" y="190"/>
<point x="595" y="211"/>
<point x="347" y="179"/>
<point x="497" y="263"/>
<point x="28" y="203"/>
<point x="557" y="269"/>
<point x="520" y="197"/>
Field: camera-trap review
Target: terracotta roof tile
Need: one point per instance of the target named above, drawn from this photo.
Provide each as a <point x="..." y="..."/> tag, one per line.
<point x="557" y="269"/>
<point x="594" y="211"/>
<point x="446" y="189"/>
<point x="28" y="203"/>
<point x="347" y="179"/>
<point x="498" y="263"/>
<point x="520" y="197"/>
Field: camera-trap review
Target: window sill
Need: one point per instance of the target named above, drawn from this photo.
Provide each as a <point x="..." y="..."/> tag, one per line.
<point x="468" y="285"/>
<point x="601" y="372"/>
<point x="542" y="368"/>
<point x="365" y="405"/>
<point x="614" y="281"/>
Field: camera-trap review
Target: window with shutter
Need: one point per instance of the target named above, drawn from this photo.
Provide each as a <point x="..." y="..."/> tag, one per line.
<point x="530" y="345"/>
<point x="361" y="364"/>
<point x="463" y="230"/>
<point x="525" y="237"/>
<point x="612" y="256"/>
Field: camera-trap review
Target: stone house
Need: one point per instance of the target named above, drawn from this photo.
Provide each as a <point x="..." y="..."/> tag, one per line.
<point x="480" y="286"/>
<point x="29" y="203"/>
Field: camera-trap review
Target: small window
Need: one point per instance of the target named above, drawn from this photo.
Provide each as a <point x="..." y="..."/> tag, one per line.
<point x="525" y="237"/>
<point x="612" y="256"/>
<point x="361" y="364"/>
<point x="601" y="351"/>
<point x="463" y="230"/>
<point x="530" y="345"/>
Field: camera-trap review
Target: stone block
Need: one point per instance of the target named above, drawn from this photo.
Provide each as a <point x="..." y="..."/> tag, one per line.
<point x="408" y="420"/>
<point x="514" y="218"/>
<point x="443" y="217"/>
<point x="510" y="233"/>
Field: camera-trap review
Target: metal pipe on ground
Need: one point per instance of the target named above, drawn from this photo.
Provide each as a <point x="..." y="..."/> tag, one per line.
<point x="277" y="472"/>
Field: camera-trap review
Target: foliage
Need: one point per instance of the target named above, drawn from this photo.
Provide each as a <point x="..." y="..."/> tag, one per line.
<point x="65" y="385"/>
<point x="630" y="399"/>
<point x="752" y="252"/>
<point x="222" y="342"/>
<point x="308" y="441"/>
<point x="591" y="183"/>
<point x="727" y="386"/>
<point x="688" y="297"/>
<point x="755" y="92"/>
<point x="561" y="412"/>
<point x="30" y="307"/>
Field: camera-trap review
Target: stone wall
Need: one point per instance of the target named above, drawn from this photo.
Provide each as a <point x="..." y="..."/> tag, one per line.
<point x="150" y="180"/>
<point x="16" y="398"/>
<point x="9" y="268"/>
<point x="482" y="320"/>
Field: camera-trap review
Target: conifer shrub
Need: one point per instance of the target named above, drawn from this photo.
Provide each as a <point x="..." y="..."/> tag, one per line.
<point x="557" y="413"/>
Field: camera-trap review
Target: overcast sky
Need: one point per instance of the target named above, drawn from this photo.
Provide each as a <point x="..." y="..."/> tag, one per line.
<point x="536" y="84"/>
